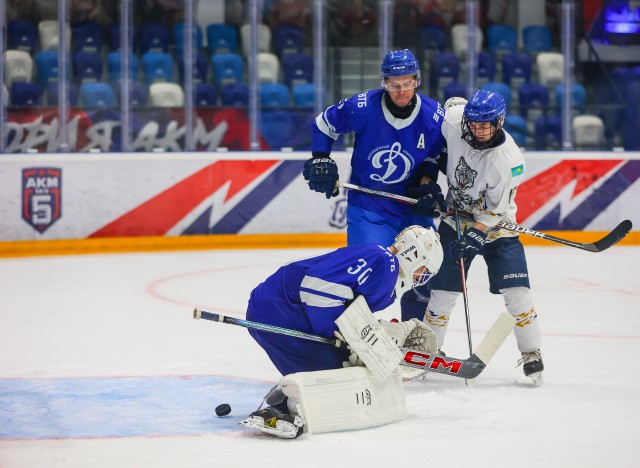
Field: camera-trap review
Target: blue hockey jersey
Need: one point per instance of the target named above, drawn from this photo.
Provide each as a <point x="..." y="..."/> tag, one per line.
<point x="310" y="294"/>
<point x="389" y="153"/>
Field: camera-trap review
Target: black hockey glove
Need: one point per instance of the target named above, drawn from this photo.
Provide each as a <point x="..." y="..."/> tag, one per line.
<point x="430" y="199"/>
<point x="322" y="175"/>
<point x="469" y="244"/>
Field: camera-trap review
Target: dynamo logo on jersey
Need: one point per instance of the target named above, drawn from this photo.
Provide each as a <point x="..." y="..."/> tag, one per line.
<point x="395" y="163"/>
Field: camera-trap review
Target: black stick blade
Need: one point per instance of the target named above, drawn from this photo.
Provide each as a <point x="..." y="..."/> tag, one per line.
<point x="615" y="236"/>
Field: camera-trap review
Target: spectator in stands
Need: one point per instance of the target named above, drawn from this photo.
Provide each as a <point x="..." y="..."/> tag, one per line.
<point x="287" y="12"/>
<point x="353" y="23"/>
<point x="99" y="11"/>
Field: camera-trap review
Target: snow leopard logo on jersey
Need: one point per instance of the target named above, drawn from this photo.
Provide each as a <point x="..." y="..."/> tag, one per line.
<point x="465" y="178"/>
<point x="397" y="164"/>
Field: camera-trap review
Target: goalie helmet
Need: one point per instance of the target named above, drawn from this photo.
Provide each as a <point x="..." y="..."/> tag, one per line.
<point x="484" y="106"/>
<point x="399" y="63"/>
<point x="420" y="256"/>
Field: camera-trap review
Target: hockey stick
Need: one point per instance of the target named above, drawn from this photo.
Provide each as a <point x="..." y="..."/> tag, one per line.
<point x="463" y="368"/>
<point x="616" y="235"/>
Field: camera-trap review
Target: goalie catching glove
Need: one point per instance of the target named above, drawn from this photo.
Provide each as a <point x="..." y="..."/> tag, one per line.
<point x="412" y="334"/>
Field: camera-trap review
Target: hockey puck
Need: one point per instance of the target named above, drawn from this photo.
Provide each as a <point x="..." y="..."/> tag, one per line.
<point x="223" y="409"/>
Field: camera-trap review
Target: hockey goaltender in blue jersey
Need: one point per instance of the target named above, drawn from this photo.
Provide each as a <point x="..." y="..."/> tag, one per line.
<point x="411" y="147"/>
<point x="310" y="294"/>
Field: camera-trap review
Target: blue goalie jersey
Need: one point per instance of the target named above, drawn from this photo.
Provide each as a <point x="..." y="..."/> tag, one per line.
<point x="390" y="153"/>
<point x="309" y="295"/>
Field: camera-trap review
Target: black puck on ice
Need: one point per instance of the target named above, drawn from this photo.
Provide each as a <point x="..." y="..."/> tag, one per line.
<point x="223" y="409"/>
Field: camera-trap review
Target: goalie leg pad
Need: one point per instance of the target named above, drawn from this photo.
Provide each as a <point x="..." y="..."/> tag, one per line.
<point x="344" y="399"/>
<point x="368" y="339"/>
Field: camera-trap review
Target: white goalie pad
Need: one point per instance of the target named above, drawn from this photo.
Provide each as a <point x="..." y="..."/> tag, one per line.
<point x="366" y="337"/>
<point x="344" y="399"/>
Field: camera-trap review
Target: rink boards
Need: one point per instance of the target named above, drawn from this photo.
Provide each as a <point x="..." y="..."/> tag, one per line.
<point x="98" y="197"/>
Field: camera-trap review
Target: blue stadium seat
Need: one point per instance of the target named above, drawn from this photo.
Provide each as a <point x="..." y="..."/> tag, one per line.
<point x="433" y="38"/>
<point x="204" y="95"/>
<point x="157" y="67"/>
<point x="288" y="40"/>
<point x="222" y="38"/>
<point x="138" y="94"/>
<point x="53" y="91"/>
<point x="486" y="67"/>
<point x="297" y="68"/>
<point x="304" y="95"/>
<point x="578" y="96"/>
<point x="87" y="66"/>
<point x="25" y="94"/>
<point x="516" y="69"/>
<point x="178" y="37"/>
<point x="200" y="70"/>
<point x="97" y="95"/>
<point x="114" y="67"/>
<point x="227" y="69"/>
<point x="46" y="66"/>
<point x="501" y="88"/>
<point x="235" y="95"/>
<point x="154" y="37"/>
<point x="87" y="36"/>
<point x="536" y="39"/>
<point x="444" y="69"/>
<point x="548" y="131"/>
<point x="276" y="127"/>
<point x="502" y="39"/>
<point x="22" y="35"/>
<point x="454" y="89"/>
<point x="274" y="95"/>
<point x="516" y="126"/>
<point x="532" y="96"/>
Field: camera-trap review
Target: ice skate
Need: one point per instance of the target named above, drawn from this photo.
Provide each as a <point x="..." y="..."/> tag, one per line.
<point x="533" y="366"/>
<point x="273" y="421"/>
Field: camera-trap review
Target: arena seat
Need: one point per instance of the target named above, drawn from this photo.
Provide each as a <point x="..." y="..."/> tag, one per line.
<point x="87" y="36"/>
<point x="87" y="66"/>
<point x="502" y="39"/>
<point x="268" y="67"/>
<point x="22" y="35"/>
<point x="227" y="69"/>
<point x="154" y="37"/>
<point x="550" y="68"/>
<point x="18" y="66"/>
<point x="297" y="68"/>
<point x="588" y="131"/>
<point x="178" y="37"/>
<point x="97" y="95"/>
<point x="48" y="32"/>
<point x="157" y="67"/>
<point x="222" y="38"/>
<point x="138" y="94"/>
<point x="304" y="95"/>
<point x="288" y="39"/>
<point x="459" y="33"/>
<point x="536" y="39"/>
<point x="25" y="94"/>
<point x="274" y="95"/>
<point x="166" y="95"/>
<point x="46" y="66"/>
<point x="204" y="95"/>
<point x="264" y="38"/>
<point x="114" y="67"/>
<point x="235" y="95"/>
<point x="52" y="92"/>
<point x="516" y="126"/>
<point x="200" y="69"/>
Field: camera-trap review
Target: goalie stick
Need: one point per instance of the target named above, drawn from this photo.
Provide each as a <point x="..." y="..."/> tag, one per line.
<point x="464" y="368"/>
<point x="616" y="235"/>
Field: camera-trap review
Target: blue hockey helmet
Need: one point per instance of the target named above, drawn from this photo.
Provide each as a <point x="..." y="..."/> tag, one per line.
<point x="400" y="63"/>
<point x="484" y="106"/>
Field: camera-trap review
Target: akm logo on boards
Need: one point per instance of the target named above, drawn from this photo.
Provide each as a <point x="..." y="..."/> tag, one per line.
<point x="41" y="196"/>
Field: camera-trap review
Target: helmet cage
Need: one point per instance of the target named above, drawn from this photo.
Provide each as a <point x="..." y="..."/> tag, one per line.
<point x="419" y="254"/>
<point x="484" y="106"/>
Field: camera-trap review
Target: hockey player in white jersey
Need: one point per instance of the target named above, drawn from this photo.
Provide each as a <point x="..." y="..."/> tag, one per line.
<point x="484" y="167"/>
<point x="336" y="293"/>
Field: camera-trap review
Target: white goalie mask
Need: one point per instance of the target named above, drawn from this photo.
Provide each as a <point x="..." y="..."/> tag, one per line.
<point x="417" y="247"/>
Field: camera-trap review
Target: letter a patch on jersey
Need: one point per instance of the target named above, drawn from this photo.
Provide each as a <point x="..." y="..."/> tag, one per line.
<point x="518" y="170"/>
<point x="420" y="141"/>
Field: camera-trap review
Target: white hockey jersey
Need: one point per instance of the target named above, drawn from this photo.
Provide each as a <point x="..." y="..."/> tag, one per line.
<point x="482" y="182"/>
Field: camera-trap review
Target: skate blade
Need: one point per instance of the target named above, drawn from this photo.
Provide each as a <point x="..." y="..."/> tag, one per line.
<point x="537" y="378"/>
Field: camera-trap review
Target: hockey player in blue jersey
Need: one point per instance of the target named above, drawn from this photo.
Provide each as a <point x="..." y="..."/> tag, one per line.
<point x="397" y="144"/>
<point x="336" y="294"/>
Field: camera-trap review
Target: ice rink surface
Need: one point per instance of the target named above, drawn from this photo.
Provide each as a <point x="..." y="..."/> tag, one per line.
<point x="102" y="365"/>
